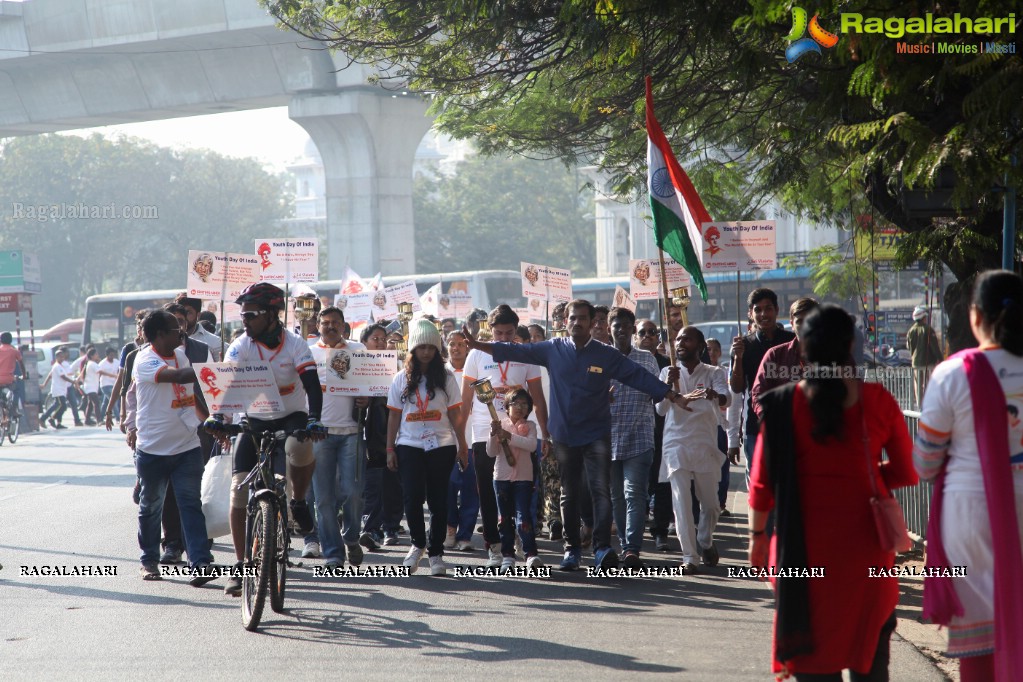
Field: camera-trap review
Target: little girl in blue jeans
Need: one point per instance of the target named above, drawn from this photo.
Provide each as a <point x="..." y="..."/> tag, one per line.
<point x="513" y="483"/>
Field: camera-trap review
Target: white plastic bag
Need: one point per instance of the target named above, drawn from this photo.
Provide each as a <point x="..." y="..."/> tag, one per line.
<point x="216" y="495"/>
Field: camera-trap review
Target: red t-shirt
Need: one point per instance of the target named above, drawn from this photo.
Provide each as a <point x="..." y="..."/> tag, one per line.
<point x="10" y="357"/>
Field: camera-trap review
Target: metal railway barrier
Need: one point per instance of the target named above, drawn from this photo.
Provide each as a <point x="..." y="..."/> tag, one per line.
<point x="915" y="501"/>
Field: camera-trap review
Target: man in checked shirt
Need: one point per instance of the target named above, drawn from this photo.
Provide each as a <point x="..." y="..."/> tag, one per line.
<point x="632" y="442"/>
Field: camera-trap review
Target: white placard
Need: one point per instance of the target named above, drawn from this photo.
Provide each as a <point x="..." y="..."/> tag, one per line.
<point x="456" y="304"/>
<point x="360" y="372"/>
<point x="622" y="299"/>
<point x="238" y="387"/>
<point x="645" y="277"/>
<point x="354" y="306"/>
<point x="224" y="310"/>
<point x="743" y="245"/>
<point x="384" y="303"/>
<point x="288" y="260"/>
<point x="545" y="283"/>
<point x="218" y="275"/>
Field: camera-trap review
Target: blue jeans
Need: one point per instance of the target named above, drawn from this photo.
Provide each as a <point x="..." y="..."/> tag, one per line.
<point x="463" y="517"/>
<point x="749" y="446"/>
<point x="629" y="490"/>
<point x="184" y="471"/>
<point x="338" y="481"/>
<point x="513" y="503"/>
<point x="586" y="466"/>
<point x="723" y="484"/>
<point x="106" y="392"/>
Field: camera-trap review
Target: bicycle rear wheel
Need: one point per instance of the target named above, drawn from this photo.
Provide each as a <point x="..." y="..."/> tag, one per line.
<point x="260" y="555"/>
<point x="279" y="576"/>
<point x="4" y="423"/>
<point x="13" y="427"/>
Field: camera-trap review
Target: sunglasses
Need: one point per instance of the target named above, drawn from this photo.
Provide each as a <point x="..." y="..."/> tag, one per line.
<point x="177" y="331"/>
<point x="647" y="332"/>
<point x="252" y="314"/>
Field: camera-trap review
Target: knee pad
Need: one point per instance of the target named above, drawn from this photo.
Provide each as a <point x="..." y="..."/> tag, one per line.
<point x="238" y="497"/>
<point x="300" y="454"/>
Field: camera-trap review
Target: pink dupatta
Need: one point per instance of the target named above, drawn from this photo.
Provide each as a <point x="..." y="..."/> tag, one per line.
<point x="991" y="424"/>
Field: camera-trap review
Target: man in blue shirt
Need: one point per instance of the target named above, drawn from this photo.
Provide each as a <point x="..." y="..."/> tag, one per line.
<point x="579" y="421"/>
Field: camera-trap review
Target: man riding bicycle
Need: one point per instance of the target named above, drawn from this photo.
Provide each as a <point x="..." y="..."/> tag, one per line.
<point x="11" y="364"/>
<point x="266" y="340"/>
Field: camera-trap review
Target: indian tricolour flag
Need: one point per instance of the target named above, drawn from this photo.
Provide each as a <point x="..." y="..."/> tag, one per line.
<point x="677" y="210"/>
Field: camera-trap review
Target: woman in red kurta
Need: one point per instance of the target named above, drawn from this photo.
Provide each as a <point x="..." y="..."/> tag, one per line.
<point x="851" y="607"/>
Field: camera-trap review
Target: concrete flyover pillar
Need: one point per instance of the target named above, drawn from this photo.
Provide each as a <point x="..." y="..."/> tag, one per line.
<point x="367" y="139"/>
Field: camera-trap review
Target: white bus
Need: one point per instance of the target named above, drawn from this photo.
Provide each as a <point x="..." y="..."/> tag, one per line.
<point x="110" y="318"/>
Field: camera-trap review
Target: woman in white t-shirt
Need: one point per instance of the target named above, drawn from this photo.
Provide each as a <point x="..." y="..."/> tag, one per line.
<point x="970" y="440"/>
<point x="425" y="434"/>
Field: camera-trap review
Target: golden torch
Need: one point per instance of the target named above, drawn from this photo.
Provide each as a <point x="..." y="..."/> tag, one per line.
<point x="485" y="393"/>
<point x="305" y="309"/>
<point x="680" y="299"/>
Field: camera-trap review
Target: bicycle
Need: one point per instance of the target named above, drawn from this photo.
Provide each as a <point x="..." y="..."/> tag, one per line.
<point x="10" y="418"/>
<point x="267" y="541"/>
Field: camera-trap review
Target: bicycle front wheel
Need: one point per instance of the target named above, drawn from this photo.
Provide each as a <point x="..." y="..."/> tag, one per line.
<point x="279" y="576"/>
<point x="5" y="421"/>
<point x="260" y="544"/>
<point x="13" y="426"/>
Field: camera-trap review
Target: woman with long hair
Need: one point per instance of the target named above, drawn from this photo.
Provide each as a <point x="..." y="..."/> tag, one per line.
<point x="818" y="460"/>
<point x="425" y="433"/>
<point x="970" y="442"/>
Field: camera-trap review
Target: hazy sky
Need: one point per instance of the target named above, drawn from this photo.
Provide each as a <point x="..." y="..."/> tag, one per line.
<point x="267" y="134"/>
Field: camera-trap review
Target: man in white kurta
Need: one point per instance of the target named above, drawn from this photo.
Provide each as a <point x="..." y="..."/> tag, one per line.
<point x="690" y="453"/>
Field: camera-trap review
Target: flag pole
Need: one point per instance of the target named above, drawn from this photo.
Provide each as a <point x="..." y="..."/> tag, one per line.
<point x="664" y="290"/>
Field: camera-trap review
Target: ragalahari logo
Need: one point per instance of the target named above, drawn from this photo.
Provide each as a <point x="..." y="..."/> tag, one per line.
<point x="818" y="36"/>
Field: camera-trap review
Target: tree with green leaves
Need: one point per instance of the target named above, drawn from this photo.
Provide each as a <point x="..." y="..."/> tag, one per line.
<point x="494" y="212"/>
<point x="859" y="130"/>
<point x="144" y="208"/>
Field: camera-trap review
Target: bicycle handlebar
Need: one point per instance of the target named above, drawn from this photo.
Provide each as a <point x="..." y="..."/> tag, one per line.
<point x="278" y="434"/>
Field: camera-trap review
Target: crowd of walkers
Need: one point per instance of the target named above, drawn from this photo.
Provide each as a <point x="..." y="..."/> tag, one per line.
<point x="601" y="438"/>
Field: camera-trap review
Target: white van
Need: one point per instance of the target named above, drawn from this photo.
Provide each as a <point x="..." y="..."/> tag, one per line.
<point x="44" y="356"/>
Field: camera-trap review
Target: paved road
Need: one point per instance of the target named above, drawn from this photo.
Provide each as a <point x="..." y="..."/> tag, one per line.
<point x="65" y="500"/>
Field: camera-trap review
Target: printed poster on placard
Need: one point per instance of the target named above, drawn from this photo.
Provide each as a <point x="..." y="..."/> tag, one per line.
<point x="545" y="283"/>
<point x="355" y="307"/>
<point x="457" y="305"/>
<point x="743" y="245"/>
<point x="288" y="260"/>
<point x="218" y="275"/>
<point x="224" y="310"/>
<point x="360" y="372"/>
<point x="384" y="303"/>
<point x="238" y="387"/>
<point x="538" y="309"/>
<point x="623" y="300"/>
<point x="645" y="277"/>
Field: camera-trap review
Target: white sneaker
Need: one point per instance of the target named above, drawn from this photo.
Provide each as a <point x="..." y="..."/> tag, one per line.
<point x="437" y="565"/>
<point x="507" y="564"/>
<point x="534" y="562"/>
<point x="464" y="546"/>
<point x="412" y="559"/>
<point x="311" y="550"/>
<point x="495" y="557"/>
<point x="449" y="541"/>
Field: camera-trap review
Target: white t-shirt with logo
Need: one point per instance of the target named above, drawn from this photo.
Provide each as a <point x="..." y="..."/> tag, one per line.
<point x="947" y="408"/>
<point x="111" y="367"/>
<point x="91" y="383"/>
<point x="504" y="376"/>
<point x="424" y="420"/>
<point x="165" y="416"/>
<point x="337" y="409"/>
<point x="287" y="361"/>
